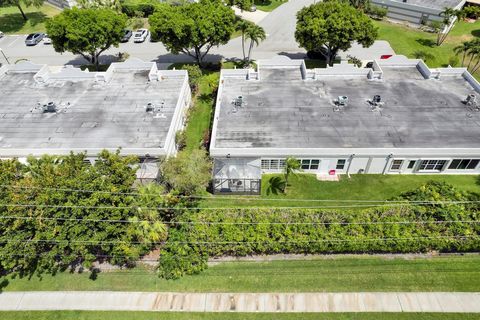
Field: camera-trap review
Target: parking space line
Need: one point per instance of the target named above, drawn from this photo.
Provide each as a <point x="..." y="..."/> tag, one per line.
<point x="18" y="37"/>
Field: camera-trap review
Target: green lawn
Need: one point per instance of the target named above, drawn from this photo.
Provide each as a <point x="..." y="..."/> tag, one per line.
<point x="334" y="274"/>
<point x="406" y="41"/>
<point x="11" y="21"/>
<point x="358" y="187"/>
<point x="126" y="315"/>
<point x="268" y="5"/>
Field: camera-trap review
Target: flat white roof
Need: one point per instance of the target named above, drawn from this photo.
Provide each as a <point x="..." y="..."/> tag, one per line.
<point x="93" y="111"/>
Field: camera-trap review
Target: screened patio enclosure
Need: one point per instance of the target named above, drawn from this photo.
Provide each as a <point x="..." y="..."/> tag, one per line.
<point x="237" y="176"/>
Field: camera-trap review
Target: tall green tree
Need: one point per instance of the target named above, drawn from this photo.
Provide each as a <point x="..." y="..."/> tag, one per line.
<point x="243" y="26"/>
<point x="19" y="3"/>
<point x="194" y="28"/>
<point x="463" y="50"/>
<point x="448" y="14"/>
<point x="188" y="173"/>
<point x="88" y="32"/>
<point x="65" y="210"/>
<point x="255" y="34"/>
<point x="328" y="27"/>
<point x="241" y="4"/>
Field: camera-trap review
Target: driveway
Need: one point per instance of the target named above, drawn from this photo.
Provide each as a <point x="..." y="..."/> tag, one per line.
<point x="279" y="26"/>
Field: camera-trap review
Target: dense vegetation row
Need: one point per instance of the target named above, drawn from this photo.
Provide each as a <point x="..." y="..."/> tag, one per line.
<point x="62" y="213"/>
<point x="388" y="229"/>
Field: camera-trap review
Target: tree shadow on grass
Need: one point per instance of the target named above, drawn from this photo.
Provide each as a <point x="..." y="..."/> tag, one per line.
<point x="427" y="42"/>
<point x="13" y="22"/>
<point x="475" y="33"/>
<point x="206" y="98"/>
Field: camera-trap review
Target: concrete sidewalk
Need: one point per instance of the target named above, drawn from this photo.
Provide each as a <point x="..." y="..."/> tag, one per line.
<point x="243" y="302"/>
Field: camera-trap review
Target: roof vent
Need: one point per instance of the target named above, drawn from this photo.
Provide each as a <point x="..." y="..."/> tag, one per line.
<point x="376" y="104"/>
<point x="238" y="102"/>
<point x="341" y="101"/>
<point x="471" y="101"/>
<point x="150" y="107"/>
<point x="50" y="107"/>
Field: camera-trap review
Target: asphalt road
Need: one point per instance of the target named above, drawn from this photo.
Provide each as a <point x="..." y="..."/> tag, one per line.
<point x="279" y="26"/>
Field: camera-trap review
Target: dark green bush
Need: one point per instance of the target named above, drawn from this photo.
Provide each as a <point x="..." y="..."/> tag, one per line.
<point x="132" y="10"/>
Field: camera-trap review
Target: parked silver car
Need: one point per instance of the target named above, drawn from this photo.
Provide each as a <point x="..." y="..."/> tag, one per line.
<point x="34" y="38"/>
<point x="1" y="34"/>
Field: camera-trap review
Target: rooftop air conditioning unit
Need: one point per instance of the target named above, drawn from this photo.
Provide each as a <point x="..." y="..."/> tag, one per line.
<point x="471" y="100"/>
<point x="150" y="107"/>
<point x="341" y="101"/>
<point x="50" y="107"/>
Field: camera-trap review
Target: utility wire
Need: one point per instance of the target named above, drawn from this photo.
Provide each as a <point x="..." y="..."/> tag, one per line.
<point x="237" y="223"/>
<point x="398" y="204"/>
<point x="98" y="242"/>
<point x="222" y="198"/>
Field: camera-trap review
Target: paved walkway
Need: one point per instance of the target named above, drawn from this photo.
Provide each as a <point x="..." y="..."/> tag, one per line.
<point x="243" y="302"/>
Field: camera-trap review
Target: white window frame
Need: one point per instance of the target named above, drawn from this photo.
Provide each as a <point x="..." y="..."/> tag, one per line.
<point x="433" y="170"/>
<point x="272" y="164"/>
<point x="310" y="164"/>
<point x="400" y="166"/>
<point x="343" y="165"/>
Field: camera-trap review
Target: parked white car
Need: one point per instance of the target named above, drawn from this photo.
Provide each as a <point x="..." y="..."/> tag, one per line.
<point x="140" y="35"/>
<point x="1" y="34"/>
<point x="46" y="39"/>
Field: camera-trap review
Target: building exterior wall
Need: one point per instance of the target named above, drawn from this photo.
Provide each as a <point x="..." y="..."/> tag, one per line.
<point x="179" y="118"/>
<point x="404" y="11"/>
<point x="387" y="164"/>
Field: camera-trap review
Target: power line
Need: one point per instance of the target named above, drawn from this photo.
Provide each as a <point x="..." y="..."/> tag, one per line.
<point x="222" y="198"/>
<point x="397" y="204"/>
<point x="98" y="242"/>
<point x="239" y="223"/>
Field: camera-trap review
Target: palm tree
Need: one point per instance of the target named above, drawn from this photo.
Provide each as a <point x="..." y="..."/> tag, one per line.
<point x="473" y="51"/>
<point x="474" y="55"/>
<point x="256" y="34"/>
<point x="243" y="26"/>
<point x="447" y="14"/>
<point x="291" y="165"/>
<point x="463" y="49"/>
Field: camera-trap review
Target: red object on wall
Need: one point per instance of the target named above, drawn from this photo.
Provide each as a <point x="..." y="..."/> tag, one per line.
<point x="332" y="172"/>
<point x="385" y="56"/>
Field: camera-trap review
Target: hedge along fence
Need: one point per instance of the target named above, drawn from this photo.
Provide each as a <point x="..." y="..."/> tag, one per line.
<point x="240" y="232"/>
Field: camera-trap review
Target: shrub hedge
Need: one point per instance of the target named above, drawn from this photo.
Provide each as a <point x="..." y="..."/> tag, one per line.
<point x="394" y="229"/>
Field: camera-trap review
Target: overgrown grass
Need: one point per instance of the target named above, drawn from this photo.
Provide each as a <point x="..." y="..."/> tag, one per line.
<point x="201" y="112"/>
<point x="11" y="20"/>
<point x="407" y="41"/>
<point x="203" y="103"/>
<point x="358" y="187"/>
<point x="332" y="274"/>
<point x="269" y="5"/>
<point x="128" y="315"/>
